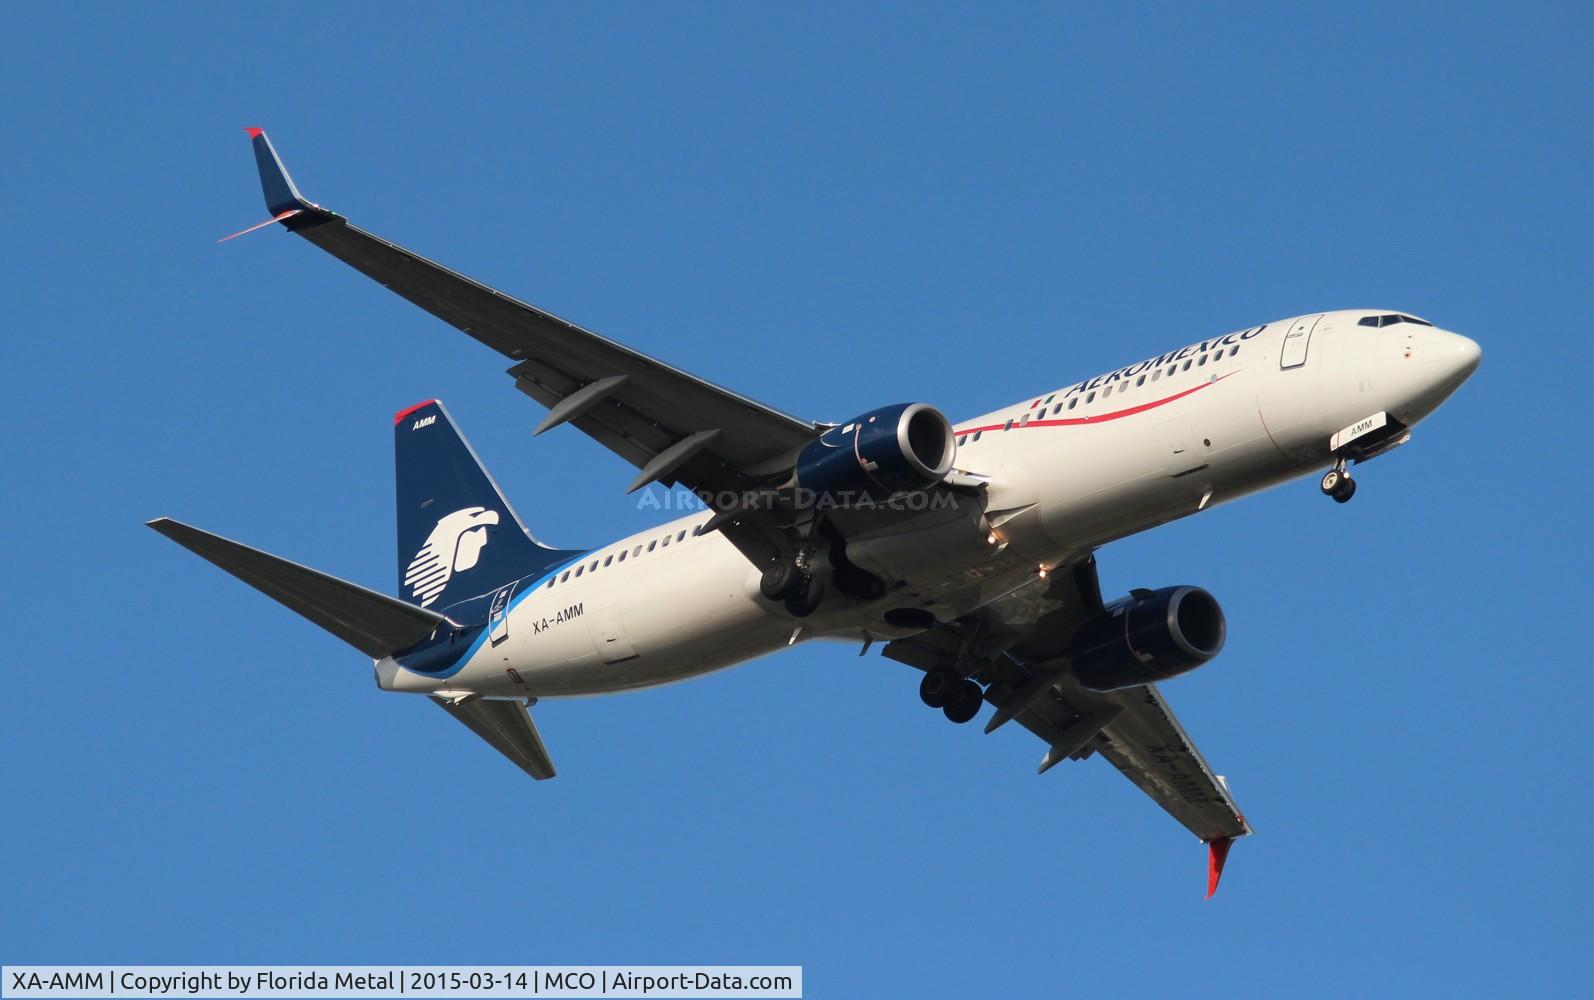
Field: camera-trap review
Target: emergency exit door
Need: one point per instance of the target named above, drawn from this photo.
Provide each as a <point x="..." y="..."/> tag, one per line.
<point x="1296" y="340"/>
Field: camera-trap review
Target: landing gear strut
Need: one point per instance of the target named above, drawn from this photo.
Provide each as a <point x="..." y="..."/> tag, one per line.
<point x="1337" y="483"/>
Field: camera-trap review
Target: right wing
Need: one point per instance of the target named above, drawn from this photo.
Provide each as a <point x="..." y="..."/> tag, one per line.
<point x="675" y="427"/>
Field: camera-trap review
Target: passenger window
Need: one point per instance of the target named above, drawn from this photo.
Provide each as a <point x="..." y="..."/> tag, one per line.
<point x="1203" y="361"/>
<point x="552" y="580"/>
<point x="1140" y="381"/>
<point x="977" y="435"/>
<point x="1073" y="402"/>
<point x="622" y="555"/>
<point x="1090" y="398"/>
<point x="608" y="560"/>
<point x="636" y="551"/>
<point x="565" y="577"/>
<point x="1106" y="392"/>
<point x="1057" y="409"/>
<point x="652" y="545"/>
<point x="666" y="541"/>
<point x="963" y="440"/>
<point x="1156" y="375"/>
<point x="594" y="566"/>
<point x="1234" y="350"/>
<point x="1187" y="366"/>
<point x="579" y="569"/>
<point x="1007" y="426"/>
<point x="1172" y="369"/>
<point x="680" y="536"/>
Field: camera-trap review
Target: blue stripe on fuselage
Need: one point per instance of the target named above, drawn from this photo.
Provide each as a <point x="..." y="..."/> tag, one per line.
<point x="454" y="666"/>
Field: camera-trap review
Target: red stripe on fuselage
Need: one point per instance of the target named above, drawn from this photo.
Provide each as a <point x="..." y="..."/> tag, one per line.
<point x="1114" y="415"/>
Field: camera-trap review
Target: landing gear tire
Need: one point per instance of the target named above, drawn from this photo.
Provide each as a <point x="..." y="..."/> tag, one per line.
<point x="965" y="703"/>
<point x="939" y="687"/>
<point x="1338" y="484"/>
<point x="781" y="580"/>
<point x="805" y="601"/>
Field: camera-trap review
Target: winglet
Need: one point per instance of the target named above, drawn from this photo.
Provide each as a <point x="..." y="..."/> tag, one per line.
<point x="278" y="187"/>
<point x="283" y="199"/>
<point x="1217" y="855"/>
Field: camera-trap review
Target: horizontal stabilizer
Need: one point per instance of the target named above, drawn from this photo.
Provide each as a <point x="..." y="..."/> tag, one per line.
<point x="508" y="727"/>
<point x="375" y="624"/>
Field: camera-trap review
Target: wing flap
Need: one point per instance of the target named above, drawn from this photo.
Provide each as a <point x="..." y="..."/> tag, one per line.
<point x="1144" y="740"/>
<point x="507" y="728"/>
<point x="555" y="358"/>
<point x="1147" y="743"/>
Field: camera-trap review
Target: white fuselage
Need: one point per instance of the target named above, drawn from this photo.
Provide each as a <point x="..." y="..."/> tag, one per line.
<point x="1066" y="471"/>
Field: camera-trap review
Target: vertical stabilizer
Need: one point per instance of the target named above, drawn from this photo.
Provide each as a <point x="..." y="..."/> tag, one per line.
<point x="457" y="536"/>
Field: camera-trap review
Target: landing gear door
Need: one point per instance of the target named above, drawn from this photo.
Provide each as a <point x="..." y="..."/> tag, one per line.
<point x="498" y="615"/>
<point x="1296" y="340"/>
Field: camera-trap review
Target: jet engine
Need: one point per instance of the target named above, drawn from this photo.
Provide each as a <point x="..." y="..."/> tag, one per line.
<point x="1148" y="636"/>
<point x="895" y="449"/>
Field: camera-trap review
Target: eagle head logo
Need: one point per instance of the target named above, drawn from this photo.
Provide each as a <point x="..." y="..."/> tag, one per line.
<point x="454" y="546"/>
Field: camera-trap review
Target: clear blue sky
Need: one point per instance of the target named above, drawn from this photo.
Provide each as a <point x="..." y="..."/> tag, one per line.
<point x="829" y="210"/>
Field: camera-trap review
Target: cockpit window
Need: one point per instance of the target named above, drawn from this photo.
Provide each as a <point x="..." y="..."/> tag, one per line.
<point x="1390" y="319"/>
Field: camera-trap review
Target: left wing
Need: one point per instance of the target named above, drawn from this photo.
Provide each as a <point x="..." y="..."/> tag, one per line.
<point x="1015" y="646"/>
<point x="673" y="426"/>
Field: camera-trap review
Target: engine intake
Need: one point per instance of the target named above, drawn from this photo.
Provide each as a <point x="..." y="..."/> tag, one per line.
<point x="1148" y="637"/>
<point x="895" y="449"/>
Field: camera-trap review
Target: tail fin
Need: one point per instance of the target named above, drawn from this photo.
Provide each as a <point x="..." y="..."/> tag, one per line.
<point x="457" y="536"/>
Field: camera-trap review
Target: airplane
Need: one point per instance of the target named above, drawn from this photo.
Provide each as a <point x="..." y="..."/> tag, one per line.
<point x="966" y="550"/>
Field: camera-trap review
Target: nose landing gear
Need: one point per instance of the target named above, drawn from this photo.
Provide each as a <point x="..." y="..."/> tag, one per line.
<point x="1337" y="482"/>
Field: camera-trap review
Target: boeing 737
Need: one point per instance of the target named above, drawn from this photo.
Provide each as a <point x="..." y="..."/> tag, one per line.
<point x="966" y="550"/>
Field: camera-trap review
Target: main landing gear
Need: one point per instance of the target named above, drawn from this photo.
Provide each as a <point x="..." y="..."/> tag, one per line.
<point x="1337" y="483"/>
<point x="800" y="592"/>
<point x="958" y="697"/>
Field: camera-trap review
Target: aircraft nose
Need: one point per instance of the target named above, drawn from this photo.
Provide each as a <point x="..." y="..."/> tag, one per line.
<point x="1459" y="356"/>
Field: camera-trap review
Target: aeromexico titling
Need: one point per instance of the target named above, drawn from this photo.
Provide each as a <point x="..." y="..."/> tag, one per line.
<point x="967" y="552"/>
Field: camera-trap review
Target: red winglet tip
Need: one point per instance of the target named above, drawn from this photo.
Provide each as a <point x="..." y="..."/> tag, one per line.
<point x="1217" y="855"/>
<point x="255" y="132"/>
<point x="398" y="418"/>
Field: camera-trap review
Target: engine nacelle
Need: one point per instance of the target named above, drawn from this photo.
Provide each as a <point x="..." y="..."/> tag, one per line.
<point x="1148" y="637"/>
<point x="895" y="449"/>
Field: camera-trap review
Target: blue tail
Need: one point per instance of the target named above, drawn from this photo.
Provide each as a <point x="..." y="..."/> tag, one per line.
<point x="458" y="537"/>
